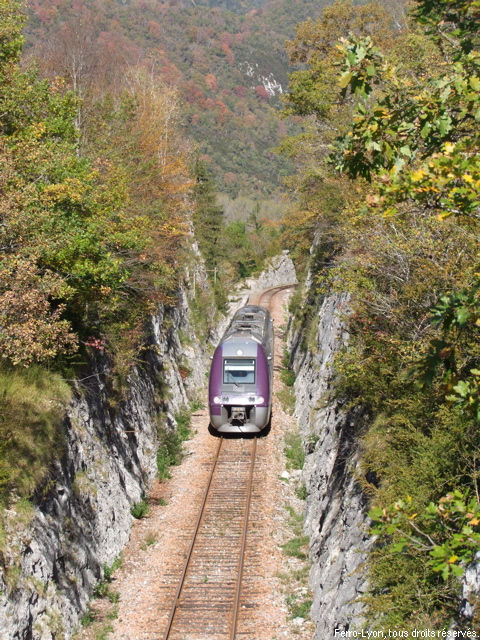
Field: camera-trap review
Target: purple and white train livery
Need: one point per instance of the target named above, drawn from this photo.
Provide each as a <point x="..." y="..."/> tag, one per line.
<point x="240" y="385"/>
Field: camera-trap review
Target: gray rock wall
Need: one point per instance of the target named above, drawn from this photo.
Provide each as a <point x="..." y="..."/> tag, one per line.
<point x="279" y="271"/>
<point x="335" y="510"/>
<point x="54" y="555"/>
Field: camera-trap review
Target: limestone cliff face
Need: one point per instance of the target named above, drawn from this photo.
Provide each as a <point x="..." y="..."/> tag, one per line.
<point x="335" y="511"/>
<point x="279" y="271"/>
<point x="81" y="520"/>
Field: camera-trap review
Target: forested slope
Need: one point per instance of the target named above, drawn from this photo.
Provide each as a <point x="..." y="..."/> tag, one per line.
<point x="226" y="59"/>
<point x="390" y="184"/>
<point x="90" y="244"/>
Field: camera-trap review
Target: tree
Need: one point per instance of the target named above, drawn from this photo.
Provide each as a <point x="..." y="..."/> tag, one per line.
<point x="207" y="218"/>
<point x="89" y="245"/>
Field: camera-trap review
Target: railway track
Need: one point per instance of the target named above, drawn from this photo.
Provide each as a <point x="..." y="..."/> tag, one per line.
<point x="264" y="298"/>
<point x="208" y="595"/>
<point x="213" y="591"/>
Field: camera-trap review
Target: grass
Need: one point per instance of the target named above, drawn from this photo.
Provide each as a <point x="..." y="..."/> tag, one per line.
<point x="301" y="492"/>
<point x="169" y="452"/>
<point x="150" y="540"/>
<point x="108" y="571"/>
<point x="294" y="451"/>
<point x="140" y="509"/>
<point x="298" y="608"/>
<point x="104" y="632"/>
<point x="103" y="588"/>
<point x="32" y="405"/>
<point x="88" y="617"/>
<point x="295" y="578"/>
<point x="183" y="419"/>
<point x="196" y="405"/>
<point x="287" y="377"/>
<point x="100" y="621"/>
<point x="287" y="399"/>
<point x="170" y="448"/>
<point x="296" y="547"/>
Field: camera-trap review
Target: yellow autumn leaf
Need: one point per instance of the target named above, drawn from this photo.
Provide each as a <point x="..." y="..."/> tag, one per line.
<point x="418" y="175"/>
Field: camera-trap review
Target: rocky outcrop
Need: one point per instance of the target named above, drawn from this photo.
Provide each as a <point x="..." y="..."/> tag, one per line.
<point x="56" y="552"/>
<point x="335" y="511"/>
<point x="279" y="271"/>
<point x="470" y="603"/>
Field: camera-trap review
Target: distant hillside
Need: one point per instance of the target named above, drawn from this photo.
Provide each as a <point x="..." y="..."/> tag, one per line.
<point x="226" y="57"/>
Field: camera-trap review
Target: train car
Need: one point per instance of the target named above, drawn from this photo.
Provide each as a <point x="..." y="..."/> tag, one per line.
<point x="241" y="373"/>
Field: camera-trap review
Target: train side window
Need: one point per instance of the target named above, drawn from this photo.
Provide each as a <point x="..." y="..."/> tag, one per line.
<point x="239" y="371"/>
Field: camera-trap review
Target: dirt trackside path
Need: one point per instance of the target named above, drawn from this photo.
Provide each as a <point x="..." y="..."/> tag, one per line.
<point x="153" y="559"/>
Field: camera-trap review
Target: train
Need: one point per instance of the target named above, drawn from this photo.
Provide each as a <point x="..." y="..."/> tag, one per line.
<point x="241" y="374"/>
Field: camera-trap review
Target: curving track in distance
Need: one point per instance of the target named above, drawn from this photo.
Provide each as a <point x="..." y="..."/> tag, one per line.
<point x="264" y="298"/>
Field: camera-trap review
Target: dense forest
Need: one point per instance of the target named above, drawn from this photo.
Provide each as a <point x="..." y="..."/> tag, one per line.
<point x="389" y="187"/>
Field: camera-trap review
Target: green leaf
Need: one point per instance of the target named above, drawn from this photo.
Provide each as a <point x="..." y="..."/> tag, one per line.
<point x="462" y="388"/>
<point x="457" y="570"/>
<point x="462" y="315"/>
<point x="475" y="83"/>
<point x="344" y="80"/>
<point x="352" y="58"/>
<point x="375" y="513"/>
<point x="425" y="130"/>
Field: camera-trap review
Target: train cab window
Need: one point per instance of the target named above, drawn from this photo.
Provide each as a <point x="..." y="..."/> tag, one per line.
<point x="239" y="371"/>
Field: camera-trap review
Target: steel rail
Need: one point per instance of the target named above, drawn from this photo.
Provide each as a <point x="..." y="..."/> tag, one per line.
<point x="241" y="558"/>
<point x="272" y="291"/>
<point x="192" y="544"/>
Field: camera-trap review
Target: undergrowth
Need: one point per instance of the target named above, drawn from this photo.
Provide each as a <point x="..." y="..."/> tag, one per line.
<point x="140" y="509"/>
<point x="294" y="451"/>
<point x="170" y="449"/>
<point x="32" y="404"/>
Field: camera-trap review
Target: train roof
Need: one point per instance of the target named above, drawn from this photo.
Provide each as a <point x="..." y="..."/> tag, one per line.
<point x="250" y="321"/>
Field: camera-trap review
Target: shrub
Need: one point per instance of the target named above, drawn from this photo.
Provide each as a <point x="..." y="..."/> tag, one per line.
<point x="169" y="452"/>
<point x="287" y="377"/>
<point x="170" y="449"/>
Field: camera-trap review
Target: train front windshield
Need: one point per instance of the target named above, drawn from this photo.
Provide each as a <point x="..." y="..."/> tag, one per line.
<point x="239" y="371"/>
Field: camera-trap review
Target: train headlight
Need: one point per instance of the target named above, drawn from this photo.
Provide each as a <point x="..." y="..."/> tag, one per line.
<point x="260" y="400"/>
<point x="217" y="400"/>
